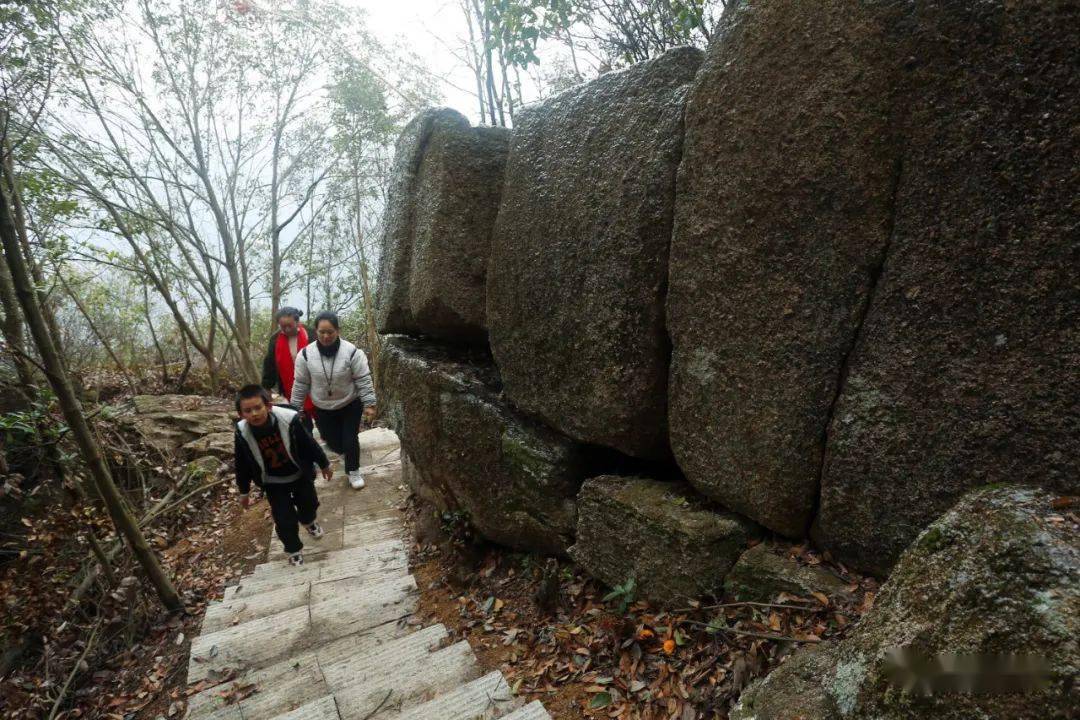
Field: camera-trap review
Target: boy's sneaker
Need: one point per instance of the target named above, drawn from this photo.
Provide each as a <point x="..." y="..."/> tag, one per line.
<point x="356" y="480"/>
<point x="315" y="530"/>
<point x="296" y="559"/>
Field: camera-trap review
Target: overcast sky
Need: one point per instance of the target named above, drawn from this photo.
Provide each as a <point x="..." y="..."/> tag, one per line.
<point x="429" y="28"/>
<point x="435" y="30"/>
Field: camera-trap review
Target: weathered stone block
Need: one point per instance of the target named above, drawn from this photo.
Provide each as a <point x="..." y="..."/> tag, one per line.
<point x="782" y="215"/>
<point x="762" y="573"/>
<point x="996" y="576"/>
<point x="217" y="444"/>
<point x="517" y="479"/>
<point x="658" y="533"/>
<point x="578" y="271"/>
<point x="169" y="422"/>
<point x="444" y="196"/>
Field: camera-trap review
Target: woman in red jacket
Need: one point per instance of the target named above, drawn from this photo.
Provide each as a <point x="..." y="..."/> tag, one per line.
<point x="280" y="361"/>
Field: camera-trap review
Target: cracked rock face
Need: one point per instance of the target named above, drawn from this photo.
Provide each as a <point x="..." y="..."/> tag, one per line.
<point x="967" y="369"/>
<point x="782" y="215"/>
<point x="873" y="271"/>
<point x="578" y="269"/>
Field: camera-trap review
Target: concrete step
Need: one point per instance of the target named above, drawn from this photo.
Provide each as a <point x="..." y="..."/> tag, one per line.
<point x="266" y="640"/>
<point x="377" y="445"/>
<point x="533" y="711"/>
<point x="351" y="555"/>
<point x="240" y="610"/>
<point x="482" y="699"/>
<point x="286" y="685"/>
<point x="435" y="675"/>
<point x="321" y="709"/>
<point x="234" y="612"/>
<point x="385" y="696"/>
<point x="378" y="568"/>
<point x="356" y="533"/>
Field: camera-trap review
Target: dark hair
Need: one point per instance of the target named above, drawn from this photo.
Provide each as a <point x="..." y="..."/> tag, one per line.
<point x="330" y="317"/>
<point x="290" y="311"/>
<point x="252" y="391"/>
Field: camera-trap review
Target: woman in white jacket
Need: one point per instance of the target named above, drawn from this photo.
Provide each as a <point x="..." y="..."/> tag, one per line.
<point x="336" y="374"/>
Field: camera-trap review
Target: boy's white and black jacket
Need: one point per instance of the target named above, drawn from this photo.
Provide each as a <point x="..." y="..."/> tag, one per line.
<point x="301" y="447"/>
<point x="335" y="381"/>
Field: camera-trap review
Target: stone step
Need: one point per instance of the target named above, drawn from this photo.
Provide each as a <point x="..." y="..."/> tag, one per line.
<point x="268" y="639"/>
<point x="348" y="555"/>
<point x="288" y="684"/>
<point x="322" y="709"/>
<point x="533" y="711"/>
<point x="237" y="611"/>
<point x="356" y="533"/>
<point x="482" y="699"/>
<point x="387" y="569"/>
<point x="377" y="445"/>
<point x="434" y="675"/>
<point x="385" y="696"/>
<point x="254" y="605"/>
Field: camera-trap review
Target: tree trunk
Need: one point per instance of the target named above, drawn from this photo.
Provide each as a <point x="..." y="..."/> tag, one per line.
<point x="84" y="438"/>
<point x="13" y="336"/>
<point x="154" y="337"/>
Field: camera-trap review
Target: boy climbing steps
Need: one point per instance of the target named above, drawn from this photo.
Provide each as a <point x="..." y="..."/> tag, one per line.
<point x="276" y="451"/>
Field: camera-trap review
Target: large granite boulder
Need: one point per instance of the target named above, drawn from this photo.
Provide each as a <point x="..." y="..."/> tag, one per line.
<point x="873" y="290"/>
<point x="170" y="422"/>
<point x="444" y="195"/>
<point x="998" y="575"/>
<point x="466" y="449"/>
<point x="782" y="217"/>
<point x="578" y="269"/>
<point x="661" y="534"/>
<point x="967" y="370"/>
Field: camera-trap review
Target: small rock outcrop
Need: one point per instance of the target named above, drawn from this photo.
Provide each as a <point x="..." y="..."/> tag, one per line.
<point x="762" y="573"/>
<point x="658" y="533"/>
<point x="218" y="444"/>
<point x="997" y="575"/>
<point x="171" y="422"/>
<point x="468" y="450"/>
<point x="578" y="271"/>
<point x="445" y="188"/>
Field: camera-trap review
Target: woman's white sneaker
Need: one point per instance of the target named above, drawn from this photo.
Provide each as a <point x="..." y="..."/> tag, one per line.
<point x="297" y="558"/>
<point x="356" y="480"/>
<point x="315" y="530"/>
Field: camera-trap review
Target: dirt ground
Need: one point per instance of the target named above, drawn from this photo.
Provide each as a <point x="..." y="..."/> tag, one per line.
<point x="586" y="657"/>
<point x="137" y="666"/>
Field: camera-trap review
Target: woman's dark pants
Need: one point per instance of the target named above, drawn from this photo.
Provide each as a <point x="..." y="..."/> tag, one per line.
<point x="339" y="430"/>
<point x="292" y="505"/>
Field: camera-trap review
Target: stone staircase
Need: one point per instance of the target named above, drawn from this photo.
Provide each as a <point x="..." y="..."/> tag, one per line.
<point x="335" y="638"/>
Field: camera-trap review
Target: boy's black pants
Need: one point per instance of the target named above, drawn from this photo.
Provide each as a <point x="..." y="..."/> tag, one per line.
<point x="339" y="430"/>
<point x="292" y="504"/>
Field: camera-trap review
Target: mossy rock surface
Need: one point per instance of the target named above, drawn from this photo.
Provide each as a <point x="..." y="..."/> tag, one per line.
<point x="997" y="575"/>
<point x="764" y="571"/>
<point x="661" y="534"/>
<point x="468" y="450"/>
